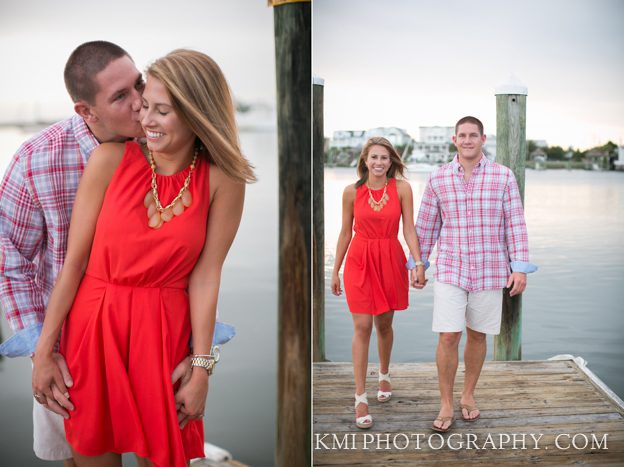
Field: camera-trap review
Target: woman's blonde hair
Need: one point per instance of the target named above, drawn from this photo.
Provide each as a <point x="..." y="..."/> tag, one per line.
<point x="396" y="166"/>
<point x="202" y="99"/>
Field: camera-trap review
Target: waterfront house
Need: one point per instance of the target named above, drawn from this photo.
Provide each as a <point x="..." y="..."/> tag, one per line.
<point x="619" y="162"/>
<point x="596" y="159"/>
<point x="397" y="136"/>
<point x="347" y="139"/>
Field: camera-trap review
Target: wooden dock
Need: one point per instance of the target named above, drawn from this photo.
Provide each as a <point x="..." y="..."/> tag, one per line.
<point x="559" y="400"/>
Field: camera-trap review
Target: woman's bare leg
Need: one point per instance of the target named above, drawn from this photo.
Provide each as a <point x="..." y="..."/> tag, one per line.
<point x="143" y="462"/>
<point x="110" y="459"/>
<point x="385" y="339"/>
<point x="362" y="328"/>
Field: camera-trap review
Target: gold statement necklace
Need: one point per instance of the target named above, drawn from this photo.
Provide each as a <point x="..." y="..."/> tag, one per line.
<point x="374" y="204"/>
<point x="156" y="213"/>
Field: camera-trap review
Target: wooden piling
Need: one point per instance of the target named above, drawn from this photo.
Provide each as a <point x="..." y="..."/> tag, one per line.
<point x="318" y="214"/>
<point x="292" y="24"/>
<point x="511" y="152"/>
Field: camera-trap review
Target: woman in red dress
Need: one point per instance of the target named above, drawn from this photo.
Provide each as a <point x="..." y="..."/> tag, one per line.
<point x="150" y="229"/>
<point x="375" y="274"/>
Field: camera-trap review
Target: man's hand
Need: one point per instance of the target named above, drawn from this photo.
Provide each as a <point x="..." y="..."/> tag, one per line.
<point x="51" y="378"/>
<point x="518" y="281"/>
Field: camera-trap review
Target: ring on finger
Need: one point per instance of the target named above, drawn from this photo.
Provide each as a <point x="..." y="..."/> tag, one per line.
<point x="40" y="398"/>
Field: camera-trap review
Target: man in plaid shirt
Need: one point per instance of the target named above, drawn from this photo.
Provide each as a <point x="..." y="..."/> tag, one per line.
<point x="36" y="198"/>
<point x="472" y="208"/>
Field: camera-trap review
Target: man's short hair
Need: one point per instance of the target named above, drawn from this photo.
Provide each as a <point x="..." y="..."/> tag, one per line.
<point x="84" y="63"/>
<point x="469" y="119"/>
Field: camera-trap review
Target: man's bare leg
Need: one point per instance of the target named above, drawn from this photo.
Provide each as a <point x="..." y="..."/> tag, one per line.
<point x="474" y="356"/>
<point x="447" y="361"/>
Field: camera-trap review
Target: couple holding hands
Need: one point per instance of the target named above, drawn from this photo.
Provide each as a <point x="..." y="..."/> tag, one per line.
<point x="471" y="208"/>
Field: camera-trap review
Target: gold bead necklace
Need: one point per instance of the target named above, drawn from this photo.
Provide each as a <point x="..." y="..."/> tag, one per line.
<point x="374" y="204"/>
<point x="156" y="213"/>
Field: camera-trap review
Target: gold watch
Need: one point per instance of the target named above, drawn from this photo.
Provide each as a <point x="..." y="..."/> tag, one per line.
<point x="208" y="361"/>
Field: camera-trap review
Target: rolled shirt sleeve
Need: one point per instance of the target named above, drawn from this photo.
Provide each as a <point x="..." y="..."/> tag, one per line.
<point x="428" y="225"/>
<point x="516" y="236"/>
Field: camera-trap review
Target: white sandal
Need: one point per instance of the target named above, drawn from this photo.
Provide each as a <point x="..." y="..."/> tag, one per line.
<point x="366" y="421"/>
<point x="384" y="396"/>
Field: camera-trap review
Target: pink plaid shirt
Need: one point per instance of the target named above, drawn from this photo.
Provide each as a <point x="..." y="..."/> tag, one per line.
<point x="479" y="226"/>
<point x="36" y="198"/>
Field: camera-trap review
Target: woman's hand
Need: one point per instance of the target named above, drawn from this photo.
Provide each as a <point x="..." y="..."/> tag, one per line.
<point x="335" y="284"/>
<point x="48" y="385"/>
<point x="417" y="277"/>
<point x="191" y="398"/>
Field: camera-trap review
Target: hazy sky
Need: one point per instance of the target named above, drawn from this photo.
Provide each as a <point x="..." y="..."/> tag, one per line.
<point x="411" y="63"/>
<point x="37" y="36"/>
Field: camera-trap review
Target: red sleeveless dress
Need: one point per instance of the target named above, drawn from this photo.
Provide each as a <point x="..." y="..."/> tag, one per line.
<point x="129" y="325"/>
<point x="375" y="277"/>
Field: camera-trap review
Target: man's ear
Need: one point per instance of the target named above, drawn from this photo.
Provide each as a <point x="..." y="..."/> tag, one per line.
<point x="84" y="110"/>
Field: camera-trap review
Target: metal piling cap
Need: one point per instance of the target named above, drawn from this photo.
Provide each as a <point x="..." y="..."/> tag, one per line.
<point x="512" y="86"/>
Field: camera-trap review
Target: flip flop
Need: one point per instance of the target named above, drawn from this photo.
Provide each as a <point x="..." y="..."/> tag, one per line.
<point x="443" y="420"/>
<point x="469" y="408"/>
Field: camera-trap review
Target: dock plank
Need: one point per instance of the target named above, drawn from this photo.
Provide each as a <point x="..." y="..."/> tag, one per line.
<point x="552" y="400"/>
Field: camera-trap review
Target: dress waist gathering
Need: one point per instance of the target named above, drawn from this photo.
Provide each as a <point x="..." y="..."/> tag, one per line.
<point x="359" y="236"/>
<point x="180" y="285"/>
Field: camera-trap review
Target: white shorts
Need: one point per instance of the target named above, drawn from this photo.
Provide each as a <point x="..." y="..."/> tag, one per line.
<point x="454" y="309"/>
<point x="49" y="435"/>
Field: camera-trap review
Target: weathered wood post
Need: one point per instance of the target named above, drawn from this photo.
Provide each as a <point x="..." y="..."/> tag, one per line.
<point x="318" y="226"/>
<point x="292" y="24"/>
<point x="511" y="152"/>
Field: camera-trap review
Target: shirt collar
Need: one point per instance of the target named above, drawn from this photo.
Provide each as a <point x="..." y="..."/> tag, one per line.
<point x="86" y="140"/>
<point x="458" y="168"/>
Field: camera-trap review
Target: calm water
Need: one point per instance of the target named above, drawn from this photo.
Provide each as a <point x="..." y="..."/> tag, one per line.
<point x="240" y="414"/>
<point x="574" y="303"/>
